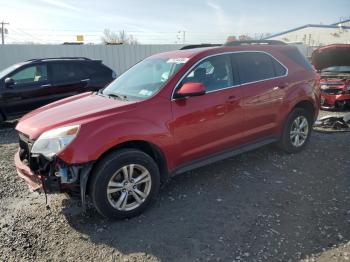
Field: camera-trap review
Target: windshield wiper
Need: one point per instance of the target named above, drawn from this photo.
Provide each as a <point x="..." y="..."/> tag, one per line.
<point x="113" y="95"/>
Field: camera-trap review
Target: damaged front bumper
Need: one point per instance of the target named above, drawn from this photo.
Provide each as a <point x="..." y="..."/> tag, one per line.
<point x="50" y="175"/>
<point x="24" y="172"/>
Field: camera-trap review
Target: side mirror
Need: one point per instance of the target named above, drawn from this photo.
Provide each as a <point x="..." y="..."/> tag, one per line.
<point x="190" y="89"/>
<point x="9" y="82"/>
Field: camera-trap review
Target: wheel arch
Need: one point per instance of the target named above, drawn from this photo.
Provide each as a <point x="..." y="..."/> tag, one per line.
<point x="307" y="106"/>
<point x="149" y="148"/>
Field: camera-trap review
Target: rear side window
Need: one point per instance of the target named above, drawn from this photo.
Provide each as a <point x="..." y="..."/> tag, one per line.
<point x="297" y="57"/>
<point x="256" y="66"/>
<point x="67" y="71"/>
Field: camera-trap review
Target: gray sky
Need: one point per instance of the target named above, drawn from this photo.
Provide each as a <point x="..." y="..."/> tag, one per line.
<point x="158" y="21"/>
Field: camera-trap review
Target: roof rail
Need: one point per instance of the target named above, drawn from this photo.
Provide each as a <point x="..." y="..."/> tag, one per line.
<point x="255" y="42"/>
<point x="57" y="58"/>
<point x="198" y="46"/>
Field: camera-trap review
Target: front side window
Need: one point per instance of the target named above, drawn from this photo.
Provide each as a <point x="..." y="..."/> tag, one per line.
<point x="214" y="73"/>
<point x="145" y="78"/>
<point x="31" y="74"/>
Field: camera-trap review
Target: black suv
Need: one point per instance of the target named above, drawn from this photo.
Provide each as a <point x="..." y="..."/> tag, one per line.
<point x="28" y="85"/>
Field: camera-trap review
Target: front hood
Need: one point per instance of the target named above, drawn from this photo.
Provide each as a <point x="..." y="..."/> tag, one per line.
<point x="331" y="55"/>
<point x="73" y="110"/>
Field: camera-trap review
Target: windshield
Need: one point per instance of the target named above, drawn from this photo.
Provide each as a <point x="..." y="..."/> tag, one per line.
<point x="337" y="69"/>
<point x="8" y="70"/>
<point x="145" y="78"/>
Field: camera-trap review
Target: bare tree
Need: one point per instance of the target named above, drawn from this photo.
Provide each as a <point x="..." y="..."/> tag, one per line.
<point x="231" y="38"/>
<point x="110" y="37"/>
<point x="244" y="38"/>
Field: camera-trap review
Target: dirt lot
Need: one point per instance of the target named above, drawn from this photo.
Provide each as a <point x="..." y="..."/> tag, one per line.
<point x="259" y="206"/>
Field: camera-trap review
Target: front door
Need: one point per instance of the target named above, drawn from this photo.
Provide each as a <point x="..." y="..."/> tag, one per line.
<point x="207" y="124"/>
<point x="29" y="91"/>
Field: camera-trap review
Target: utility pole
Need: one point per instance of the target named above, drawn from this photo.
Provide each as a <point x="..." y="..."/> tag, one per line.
<point x="183" y="36"/>
<point x="3" y="32"/>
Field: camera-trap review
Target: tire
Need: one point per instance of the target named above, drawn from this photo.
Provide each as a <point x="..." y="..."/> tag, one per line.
<point x="114" y="193"/>
<point x="288" y="140"/>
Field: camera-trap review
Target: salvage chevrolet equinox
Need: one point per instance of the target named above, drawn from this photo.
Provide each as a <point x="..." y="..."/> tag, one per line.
<point x="168" y="114"/>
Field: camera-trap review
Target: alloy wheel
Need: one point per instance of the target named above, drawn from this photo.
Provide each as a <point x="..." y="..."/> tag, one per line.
<point x="129" y="187"/>
<point x="299" y="131"/>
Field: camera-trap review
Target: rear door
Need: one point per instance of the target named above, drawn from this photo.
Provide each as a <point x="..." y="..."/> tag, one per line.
<point x="262" y="81"/>
<point x="29" y="91"/>
<point x="207" y="124"/>
<point x="68" y="78"/>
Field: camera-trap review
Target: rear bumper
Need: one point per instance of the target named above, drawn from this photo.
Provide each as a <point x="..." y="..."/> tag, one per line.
<point x="24" y="172"/>
<point x="330" y="100"/>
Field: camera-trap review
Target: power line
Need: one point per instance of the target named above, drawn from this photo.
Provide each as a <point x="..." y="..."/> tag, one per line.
<point x="50" y="36"/>
<point x="28" y="34"/>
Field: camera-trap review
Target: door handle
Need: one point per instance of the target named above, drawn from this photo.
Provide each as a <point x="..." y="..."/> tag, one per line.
<point x="85" y="80"/>
<point x="282" y="85"/>
<point x="232" y="97"/>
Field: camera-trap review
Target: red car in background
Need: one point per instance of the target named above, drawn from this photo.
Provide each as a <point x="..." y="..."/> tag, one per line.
<point x="333" y="64"/>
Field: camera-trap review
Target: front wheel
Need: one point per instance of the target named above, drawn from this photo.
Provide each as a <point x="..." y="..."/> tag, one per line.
<point x="297" y="131"/>
<point x="124" y="184"/>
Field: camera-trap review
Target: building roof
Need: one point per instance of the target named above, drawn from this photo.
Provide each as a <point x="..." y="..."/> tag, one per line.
<point x="311" y="25"/>
<point x="341" y="22"/>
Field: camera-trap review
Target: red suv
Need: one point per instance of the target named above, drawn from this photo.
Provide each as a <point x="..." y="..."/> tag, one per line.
<point x="168" y="114"/>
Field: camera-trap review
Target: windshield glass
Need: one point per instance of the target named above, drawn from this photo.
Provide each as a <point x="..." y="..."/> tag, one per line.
<point x="337" y="69"/>
<point x="8" y="70"/>
<point x="145" y="78"/>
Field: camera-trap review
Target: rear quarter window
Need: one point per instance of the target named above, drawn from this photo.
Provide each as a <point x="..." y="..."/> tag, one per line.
<point x="279" y="69"/>
<point x="96" y="68"/>
<point x="298" y="58"/>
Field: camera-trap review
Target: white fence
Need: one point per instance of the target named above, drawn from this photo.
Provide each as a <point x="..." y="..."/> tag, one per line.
<point x="118" y="57"/>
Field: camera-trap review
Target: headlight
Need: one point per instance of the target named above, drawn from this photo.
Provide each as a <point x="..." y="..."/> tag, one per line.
<point x="324" y="87"/>
<point x="55" y="140"/>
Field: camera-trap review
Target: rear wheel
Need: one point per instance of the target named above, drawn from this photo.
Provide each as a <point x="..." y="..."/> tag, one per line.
<point x="297" y="131"/>
<point x="124" y="184"/>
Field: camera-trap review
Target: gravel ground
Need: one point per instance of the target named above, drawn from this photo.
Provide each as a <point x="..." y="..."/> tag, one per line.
<point x="260" y="206"/>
